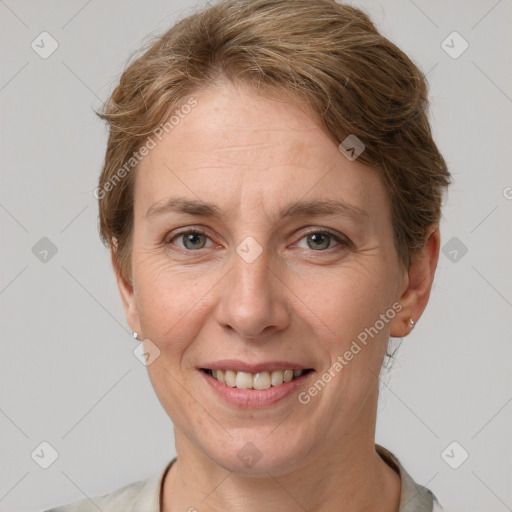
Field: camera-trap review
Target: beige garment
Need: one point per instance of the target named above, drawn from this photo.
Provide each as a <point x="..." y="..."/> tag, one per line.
<point x="144" y="496"/>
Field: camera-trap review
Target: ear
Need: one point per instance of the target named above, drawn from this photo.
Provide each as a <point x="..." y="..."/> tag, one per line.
<point x="417" y="284"/>
<point x="126" y="292"/>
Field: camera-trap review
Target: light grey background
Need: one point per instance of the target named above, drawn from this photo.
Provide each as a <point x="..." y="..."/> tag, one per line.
<point x="68" y="375"/>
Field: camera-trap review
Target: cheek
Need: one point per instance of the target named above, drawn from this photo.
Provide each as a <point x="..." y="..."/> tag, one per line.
<point x="357" y="299"/>
<point x="356" y="336"/>
<point x="352" y="298"/>
<point x="170" y="302"/>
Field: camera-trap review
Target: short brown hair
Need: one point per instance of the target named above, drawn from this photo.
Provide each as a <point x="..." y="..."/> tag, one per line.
<point x="354" y="79"/>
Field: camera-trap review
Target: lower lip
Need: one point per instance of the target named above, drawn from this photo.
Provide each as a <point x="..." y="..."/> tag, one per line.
<point x="254" y="398"/>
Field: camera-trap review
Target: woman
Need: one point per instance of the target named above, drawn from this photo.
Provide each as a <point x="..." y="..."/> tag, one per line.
<point x="271" y="196"/>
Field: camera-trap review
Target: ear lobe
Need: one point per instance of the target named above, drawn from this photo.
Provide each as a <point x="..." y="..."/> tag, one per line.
<point x="419" y="280"/>
<point x="126" y="292"/>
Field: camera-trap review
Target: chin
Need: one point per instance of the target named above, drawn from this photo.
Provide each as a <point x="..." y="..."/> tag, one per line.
<point x="257" y="453"/>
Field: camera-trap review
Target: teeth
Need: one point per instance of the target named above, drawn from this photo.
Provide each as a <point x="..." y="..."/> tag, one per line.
<point x="244" y="380"/>
<point x="276" y="378"/>
<point x="230" y="377"/>
<point x="262" y="380"/>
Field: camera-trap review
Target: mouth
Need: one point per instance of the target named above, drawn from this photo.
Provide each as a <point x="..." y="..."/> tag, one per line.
<point x="256" y="381"/>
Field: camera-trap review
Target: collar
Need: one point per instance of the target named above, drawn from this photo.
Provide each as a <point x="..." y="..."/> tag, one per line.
<point x="413" y="497"/>
<point x="149" y="497"/>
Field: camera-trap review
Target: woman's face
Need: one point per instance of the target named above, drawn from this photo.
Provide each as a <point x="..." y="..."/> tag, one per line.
<point x="277" y="276"/>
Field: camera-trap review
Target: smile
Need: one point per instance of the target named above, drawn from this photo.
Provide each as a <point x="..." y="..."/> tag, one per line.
<point x="259" y="381"/>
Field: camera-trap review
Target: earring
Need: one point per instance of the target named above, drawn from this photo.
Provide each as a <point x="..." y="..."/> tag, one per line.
<point x="411" y="323"/>
<point x="136" y="336"/>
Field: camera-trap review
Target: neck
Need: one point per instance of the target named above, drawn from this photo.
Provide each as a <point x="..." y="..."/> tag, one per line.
<point x="341" y="475"/>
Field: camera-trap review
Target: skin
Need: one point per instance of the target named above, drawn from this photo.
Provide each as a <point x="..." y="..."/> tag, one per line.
<point x="302" y="299"/>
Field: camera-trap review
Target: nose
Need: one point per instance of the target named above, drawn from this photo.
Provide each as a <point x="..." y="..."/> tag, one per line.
<point x="253" y="299"/>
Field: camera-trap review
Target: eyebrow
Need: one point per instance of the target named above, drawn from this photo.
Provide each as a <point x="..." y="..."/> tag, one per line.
<point x="297" y="209"/>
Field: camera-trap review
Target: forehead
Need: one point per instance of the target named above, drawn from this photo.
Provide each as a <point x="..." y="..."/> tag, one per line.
<point x="238" y="143"/>
<point x="235" y="123"/>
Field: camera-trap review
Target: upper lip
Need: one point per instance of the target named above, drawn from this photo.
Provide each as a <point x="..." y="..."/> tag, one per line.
<point x="242" y="366"/>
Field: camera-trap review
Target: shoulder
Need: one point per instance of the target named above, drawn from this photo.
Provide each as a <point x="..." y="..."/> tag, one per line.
<point x="121" y="499"/>
<point x="141" y="495"/>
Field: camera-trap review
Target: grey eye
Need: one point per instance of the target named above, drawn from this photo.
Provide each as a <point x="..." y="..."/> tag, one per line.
<point x="320" y="240"/>
<point x="191" y="240"/>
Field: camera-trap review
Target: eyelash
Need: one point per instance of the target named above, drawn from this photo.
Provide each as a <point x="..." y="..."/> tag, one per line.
<point x="343" y="242"/>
